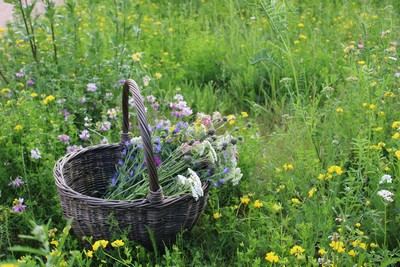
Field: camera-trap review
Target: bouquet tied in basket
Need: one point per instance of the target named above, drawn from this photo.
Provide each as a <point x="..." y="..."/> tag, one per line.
<point x="154" y="185"/>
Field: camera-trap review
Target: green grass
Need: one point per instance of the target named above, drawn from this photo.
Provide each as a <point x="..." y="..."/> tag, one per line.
<point x="319" y="79"/>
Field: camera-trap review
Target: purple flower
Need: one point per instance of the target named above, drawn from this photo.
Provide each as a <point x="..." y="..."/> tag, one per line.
<point x="64" y="138"/>
<point x="121" y="162"/>
<point x="91" y="87"/>
<point x="35" y="153"/>
<point x="216" y="184"/>
<point x="121" y="81"/>
<point x="30" y="82"/>
<point x="73" y="148"/>
<point x="157" y="160"/>
<point x="16" y="182"/>
<point x="155" y="106"/>
<point x="226" y="170"/>
<point x="82" y="100"/>
<point x="105" y="126"/>
<point x="84" y="135"/>
<point x="223" y="181"/>
<point x="18" y="206"/>
<point x="20" y="74"/>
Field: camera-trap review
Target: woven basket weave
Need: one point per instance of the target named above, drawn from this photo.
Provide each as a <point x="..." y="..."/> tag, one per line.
<point x="82" y="177"/>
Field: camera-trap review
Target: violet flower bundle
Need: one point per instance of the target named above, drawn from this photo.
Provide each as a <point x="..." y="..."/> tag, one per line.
<point x="186" y="155"/>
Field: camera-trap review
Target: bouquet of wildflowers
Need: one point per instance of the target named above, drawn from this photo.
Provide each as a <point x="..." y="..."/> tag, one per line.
<point x="195" y="149"/>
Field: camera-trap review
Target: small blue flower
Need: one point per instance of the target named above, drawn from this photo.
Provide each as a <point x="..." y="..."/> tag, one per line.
<point x="121" y="162"/>
<point x="216" y="184"/>
<point x="226" y="170"/>
<point x="128" y="143"/>
<point x="223" y="181"/>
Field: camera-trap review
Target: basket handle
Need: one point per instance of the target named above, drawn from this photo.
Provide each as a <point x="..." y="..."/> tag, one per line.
<point x="155" y="191"/>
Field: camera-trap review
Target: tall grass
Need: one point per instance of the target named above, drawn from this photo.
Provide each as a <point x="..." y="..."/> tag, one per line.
<point x="320" y="80"/>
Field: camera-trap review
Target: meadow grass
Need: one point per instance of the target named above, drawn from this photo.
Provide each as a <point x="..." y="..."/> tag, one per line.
<point x="319" y="80"/>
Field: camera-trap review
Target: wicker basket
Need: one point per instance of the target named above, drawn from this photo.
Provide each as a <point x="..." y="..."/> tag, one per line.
<point x="82" y="177"/>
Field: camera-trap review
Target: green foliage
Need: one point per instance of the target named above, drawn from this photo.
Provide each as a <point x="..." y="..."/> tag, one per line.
<point x="319" y="80"/>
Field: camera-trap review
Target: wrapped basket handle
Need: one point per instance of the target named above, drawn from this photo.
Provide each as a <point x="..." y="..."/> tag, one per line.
<point x="155" y="191"/>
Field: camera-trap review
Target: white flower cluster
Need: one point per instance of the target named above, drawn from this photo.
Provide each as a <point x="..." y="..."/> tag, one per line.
<point x="193" y="181"/>
<point x="386" y="179"/>
<point x="386" y="195"/>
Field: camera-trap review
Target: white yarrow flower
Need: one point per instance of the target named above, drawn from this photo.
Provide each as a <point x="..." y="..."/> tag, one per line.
<point x="35" y="153"/>
<point x="386" y="179"/>
<point x="386" y="195"/>
<point x="195" y="184"/>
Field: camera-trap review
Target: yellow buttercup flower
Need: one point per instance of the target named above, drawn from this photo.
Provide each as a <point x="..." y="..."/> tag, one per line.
<point x="271" y="257"/>
<point x="217" y="215"/>
<point x="312" y="191"/>
<point x="48" y="99"/>
<point x="90" y="253"/>
<point x="245" y="200"/>
<point x="99" y="243"/>
<point x="258" y="204"/>
<point x="352" y="253"/>
<point x="158" y="75"/>
<point x="18" y="127"/>
<point x="118" y="243"/>
<point x="295" y="200"/>
<point x="244" y="114"/>
<point x="5" y="90"/>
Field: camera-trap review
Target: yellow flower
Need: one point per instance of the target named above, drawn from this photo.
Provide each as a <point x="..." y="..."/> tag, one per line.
<point x="118" y="243"/>
<point x="373" y="245"/>
<point x="372" y="106"/>
<point x="48" y="99"/>
<point x="296" y="41"/>
<point x="321" y="177"/>
<point x="217" y="215"/>
<point x="245" y="200"/>
<point x="367" y="203"/>
<point x="312" y="191"/>
<point x="338" y="246"/>
<point x="396" y="124"/>
<point x="339" y="110"/>
<point x="355" y="243"/>
<point x="90" y="253"/>
<point x="363" y="246"/>
<point x="353" y="253"/>
<point x="373" y="84"/>
<point x="364" y="105"/>
<point x="397" y="153"/>
<point x="18" y="127"/>
<point x="19" y="42"/>
<point x="295" y="200"/>
<point x="358" y="225"/>
<point x="271" y="257"/>
<point x="396" y="136"/>
<point x="5" y="90"/>
<point x="336" y="169"/>
<point x="321" y="251"/>
<point x="99" y="243"/>
<point x="302" y="36"/>
<point x="361" y="62"/>
<point x="158" y="75"/>
<point x="277" y="207"/>
<point x="297" y="251"/>
<point x="288" y="166"/>
<point x="258" y="204"/>
<point x="244" y="114"/>
<point x="136" y="57"/>
<point x="231" y="122"/>
<point x="34" y="95"/>
<point x="54" y="242"/>
<point x="378" y="129"/>
<point x="300" y="25"/>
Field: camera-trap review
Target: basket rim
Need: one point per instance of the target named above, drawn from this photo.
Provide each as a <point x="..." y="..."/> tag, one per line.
<point x="68" y="191"/>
